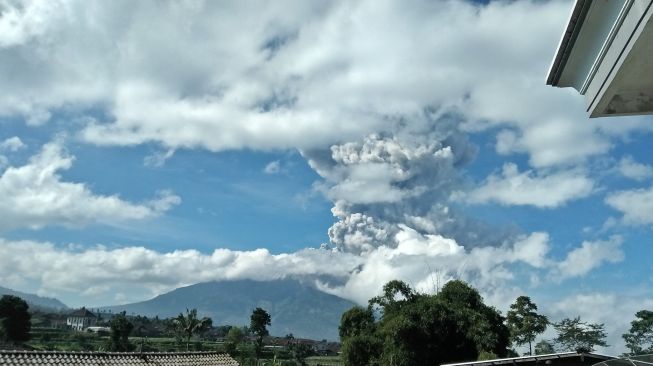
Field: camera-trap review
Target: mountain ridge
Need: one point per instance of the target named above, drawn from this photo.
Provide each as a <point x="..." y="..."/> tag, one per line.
<point x="295" y="307"/>
<point x="35" y="300"/>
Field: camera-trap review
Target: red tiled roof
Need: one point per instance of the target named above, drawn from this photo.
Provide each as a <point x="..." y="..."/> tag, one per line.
<point x="53" y="358"/>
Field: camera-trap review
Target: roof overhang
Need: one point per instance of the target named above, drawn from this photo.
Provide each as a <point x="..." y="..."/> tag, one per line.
<point x="605" y="53"/>
<point x="534" y="359"/>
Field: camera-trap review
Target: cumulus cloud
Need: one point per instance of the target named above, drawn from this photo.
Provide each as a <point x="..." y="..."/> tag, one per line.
<point x="629" y="168"/>
<point x="318" y="75"/>
<point x="425" y="261"/>
<point x="614" y="309"/>
<point x="590" y="255"/>
<point x="12" y="144"/>
<point x="529" y="188"/>
<point x="100" y="271"/>
<point x="636" y="205"/>
<point x="34" y="195"/>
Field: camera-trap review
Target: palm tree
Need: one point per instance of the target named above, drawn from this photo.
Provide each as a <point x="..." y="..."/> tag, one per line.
<point x="187" y="326"/>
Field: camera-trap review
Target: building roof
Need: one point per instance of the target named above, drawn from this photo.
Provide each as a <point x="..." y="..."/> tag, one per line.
<point x="52" y="358"/>
<point x="83" y="313"/>
<point x="567" y="41"/>
<point x="639" y="360"/>
<point x="605" y="54"/>
<point x="591" y="357"/>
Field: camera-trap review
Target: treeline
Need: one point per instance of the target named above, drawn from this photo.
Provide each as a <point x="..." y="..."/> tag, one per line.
<point x="139" y="333"/>
<point x="404" y="327"/>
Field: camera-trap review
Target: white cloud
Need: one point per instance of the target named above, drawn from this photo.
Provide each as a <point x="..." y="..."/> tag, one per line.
<point x="12" y="144"/>
<point x="34" y="195"/>
<point x="636" y="205"/>
<point x="158" y="159"/>
<point x="241" y="75"/>
<point x="272" y="167"/>
<point x="97" y="272"/>
<point x="590" y="255"/>
<point x="529" y="188"/>
<point x="614" y="309"/>
<point x="629" y="168"/>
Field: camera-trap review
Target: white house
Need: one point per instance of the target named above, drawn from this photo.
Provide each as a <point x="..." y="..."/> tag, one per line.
<point x="81" y="319"/>
<point x="606" y="54"/>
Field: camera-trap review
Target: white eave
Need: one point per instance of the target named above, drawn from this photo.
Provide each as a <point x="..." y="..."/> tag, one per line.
<point x="606" y="53"/>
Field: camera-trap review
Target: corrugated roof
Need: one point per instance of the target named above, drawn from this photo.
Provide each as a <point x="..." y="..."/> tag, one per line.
<point x="53" y="358"/>
<point x="551" y="356"/>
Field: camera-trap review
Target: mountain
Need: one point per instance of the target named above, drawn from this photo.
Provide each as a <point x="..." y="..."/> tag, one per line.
<point x="294" y="307"/>
<point x="35" y="300"/>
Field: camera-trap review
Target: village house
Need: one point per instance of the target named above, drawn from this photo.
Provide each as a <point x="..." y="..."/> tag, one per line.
<point x="81" y="319"/>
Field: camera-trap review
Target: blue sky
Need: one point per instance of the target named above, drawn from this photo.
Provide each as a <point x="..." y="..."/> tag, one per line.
<point x="148" y="147"/>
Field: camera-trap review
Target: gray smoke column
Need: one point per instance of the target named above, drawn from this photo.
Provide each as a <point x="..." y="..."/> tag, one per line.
<point x="405" y="177"/>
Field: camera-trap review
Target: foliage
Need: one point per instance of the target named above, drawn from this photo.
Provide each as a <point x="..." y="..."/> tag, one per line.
<point x="189" y="325"/>
<point x="395" y="293"/>
<point x="14" y="319"/>
<point x="575" y="335"/>
<point x="121" y="327"/>
<point x="300" y="351"/>
<point x="356" y="321"/>
<point x="361" y="350"/>
<point x="544" y="347"/>
<point x="234" y="338"/>
<point x="524" y="322"/>
<point x="259" y="321"/>
<point x="419" y="329"/>
<point x="484" y="355"/>
<point x="639" y="339"/>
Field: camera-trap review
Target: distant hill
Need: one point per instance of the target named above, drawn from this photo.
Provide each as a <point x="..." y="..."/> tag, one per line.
<point x="295" y="307"/>
<point x="35" y="300"/>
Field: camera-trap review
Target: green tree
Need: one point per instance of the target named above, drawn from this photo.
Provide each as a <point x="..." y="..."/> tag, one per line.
<point x="190" y="325"/>
<point x="395" y="294"/>
<point x="361" y="350"/>
<point x="356" y="321"/>
<point x="419" y="329"/>
<point x="360" y="344"/>
<point x="14" y="319"/>
<point x="234" y="338"/>
<point x="524" y="322"/>
<point x="544" y="347"/>
<point x="259" y="321"/>
<point x="639" y="338"/>
<point x="576" y="335"/>
<point x="300" y="351"/>
<point x="121" y="328"/>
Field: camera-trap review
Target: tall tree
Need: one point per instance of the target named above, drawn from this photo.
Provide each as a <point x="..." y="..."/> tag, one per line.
<point x="524" y="322"/>
<point x="360" y="344"/>
<point x="544" y="347"/>
<point x="121" y="328"/>
<point x="419" y="329"/>
<point x="356" y="321"/>
<point x="639" y="338"/>
<point x="259" y="321"/>
<point x="14" y="319"/>
<point x="579" y="336"/>
<point x="190" y="325"/>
